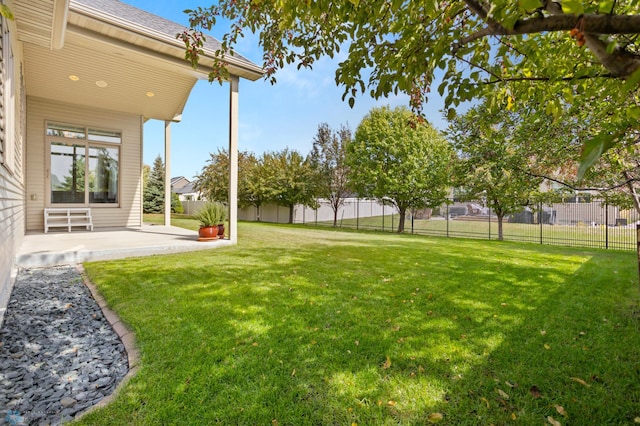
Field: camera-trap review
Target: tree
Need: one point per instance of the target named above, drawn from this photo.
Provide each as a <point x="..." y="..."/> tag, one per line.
<point x="554" y="145"/>
<point x="176" y="204"/>
<point x="493" y="161"/>
<point x="327" y="157"/>
<point x="557" y="53"/>
<point x="213" y="180"/>
<point x="288" y="179"/>
<point x="153" y="197"/>
<point x="146" y="170"/>
<point x="399" y="158"/>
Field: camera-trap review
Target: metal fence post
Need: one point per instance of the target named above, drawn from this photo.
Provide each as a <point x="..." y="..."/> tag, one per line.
<point x="489" y="222"/>
<point x="447" y="220"/>
<point x="606" y="225"/>
<point x="392" y="217"/>
<point x="638" y="240"/>
<point x="540" y="220"/>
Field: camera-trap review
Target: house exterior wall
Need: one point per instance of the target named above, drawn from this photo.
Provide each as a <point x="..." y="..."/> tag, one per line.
<point x="39" y="111"/>
<point x="12" y="191"/>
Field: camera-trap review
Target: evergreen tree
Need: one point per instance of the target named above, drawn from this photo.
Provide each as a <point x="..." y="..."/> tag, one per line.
<point x="154" y="191"/>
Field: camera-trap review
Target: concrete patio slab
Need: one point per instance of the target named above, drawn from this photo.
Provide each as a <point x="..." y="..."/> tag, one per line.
<point x="68" y="248"/>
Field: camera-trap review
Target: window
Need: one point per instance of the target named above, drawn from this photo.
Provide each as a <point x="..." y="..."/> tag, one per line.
<point x="84" y="165"/>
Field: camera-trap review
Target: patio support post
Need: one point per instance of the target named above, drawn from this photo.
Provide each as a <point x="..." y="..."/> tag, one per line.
<point x="167" y="173"/>
<point x="233" y="158"/>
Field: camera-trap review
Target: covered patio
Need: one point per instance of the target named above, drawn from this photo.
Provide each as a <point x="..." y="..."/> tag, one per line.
<point x="67" y="248"/>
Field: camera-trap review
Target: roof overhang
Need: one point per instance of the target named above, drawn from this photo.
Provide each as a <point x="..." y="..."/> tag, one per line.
<point x="99" y="60"/>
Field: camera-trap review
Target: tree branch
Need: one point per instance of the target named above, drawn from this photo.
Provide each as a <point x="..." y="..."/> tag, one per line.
<point x="591" y="23"/>
<point x="584" y="77"/>
<point x="627" y="182"/>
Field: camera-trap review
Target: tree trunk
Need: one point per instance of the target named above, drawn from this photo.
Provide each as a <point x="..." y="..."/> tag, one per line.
<point x="500" y="218"/>
<point x="291" y="213"/>
<point x="335" y="215"/>
<point x="402" y="211"/>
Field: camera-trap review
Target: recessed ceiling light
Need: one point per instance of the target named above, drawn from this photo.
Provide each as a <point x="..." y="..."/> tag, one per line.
<point x="150" y="94"/>
<point x="101" y="83"/>
<point x="74" y="77"/>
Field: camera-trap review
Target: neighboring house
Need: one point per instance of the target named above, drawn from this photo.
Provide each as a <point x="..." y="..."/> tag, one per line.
<point x="185" y="189"/>
<point x="78" y="79"/>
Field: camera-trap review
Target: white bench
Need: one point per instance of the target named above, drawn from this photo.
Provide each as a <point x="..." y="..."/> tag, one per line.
<point x="67" y="218"/>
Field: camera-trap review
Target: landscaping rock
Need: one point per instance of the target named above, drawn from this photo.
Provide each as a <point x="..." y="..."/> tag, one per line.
<point x="55" y="346"/>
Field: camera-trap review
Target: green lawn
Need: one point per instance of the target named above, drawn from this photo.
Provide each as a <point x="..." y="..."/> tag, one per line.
<point x="305" y="326"/>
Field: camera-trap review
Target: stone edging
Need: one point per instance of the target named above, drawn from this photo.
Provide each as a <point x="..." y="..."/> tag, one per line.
<point x="127" y="337"/>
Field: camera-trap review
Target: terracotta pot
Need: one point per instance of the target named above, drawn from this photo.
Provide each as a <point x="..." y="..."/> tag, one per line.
<point x="208" y="232"/>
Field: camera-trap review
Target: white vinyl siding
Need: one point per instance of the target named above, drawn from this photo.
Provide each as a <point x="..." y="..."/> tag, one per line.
<point x="40" y="111"/>
<point x="12" y="194"/>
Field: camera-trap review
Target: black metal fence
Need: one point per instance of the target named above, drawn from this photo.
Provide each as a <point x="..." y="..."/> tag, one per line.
<point x="581" y="224"/>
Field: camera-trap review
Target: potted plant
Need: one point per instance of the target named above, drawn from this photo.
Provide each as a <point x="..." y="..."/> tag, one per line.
<point x="209" y="216"/>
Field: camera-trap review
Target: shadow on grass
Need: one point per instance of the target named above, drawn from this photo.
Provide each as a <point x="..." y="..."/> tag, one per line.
<point x="376" y="330"/>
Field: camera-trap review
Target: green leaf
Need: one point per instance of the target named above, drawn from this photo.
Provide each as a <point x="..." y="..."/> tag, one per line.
<point x="605" y="6"/>
<point x="592" y="150"/>
<point x="632" y="81"/>
<point x="6" y="12"/>
<point x="574" y="7"/>
<point x="451" y="114"/>
<point x="529" y="5"/>
<point x="633" y="112"/>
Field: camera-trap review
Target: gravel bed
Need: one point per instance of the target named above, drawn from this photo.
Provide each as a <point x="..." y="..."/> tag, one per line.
<point x="58" y="354"/>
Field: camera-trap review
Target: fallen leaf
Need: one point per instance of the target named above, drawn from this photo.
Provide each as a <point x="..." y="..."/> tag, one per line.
<point x="553" y="421"/>
<point x="560" y="409"/>
<point x="582" y="382"/>
<point x="485" y="401"/>
<point x="511" y="385"/>
<point x="387" y="363"/>
<point x="535" y="392"/>
<point x="636" y="420"/>
<point x="392" y="403"/>
<point x="274" y="422"/>
<point x="357" y="342"/>
<point x="434" y="417"/>
<point x="293" y="373"/>
<point x="513" y="416"/>
<point x="503" y="394"/>
<point x="547" y="346"/>
<point x="503" y="304"/>
<point x="543" y="332"/>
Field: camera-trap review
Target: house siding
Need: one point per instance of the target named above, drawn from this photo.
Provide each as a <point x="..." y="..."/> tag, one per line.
<point x="12" y="194"/>
<point x="39" y="111"/>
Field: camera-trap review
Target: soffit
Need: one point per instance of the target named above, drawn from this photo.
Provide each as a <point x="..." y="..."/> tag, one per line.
<point x="129" y="77"/>
<point x="41" y="22"/>
<point x="102" y="42"/>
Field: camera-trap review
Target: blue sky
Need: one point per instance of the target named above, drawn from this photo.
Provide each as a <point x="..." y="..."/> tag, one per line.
<point x="272" y="117"/>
